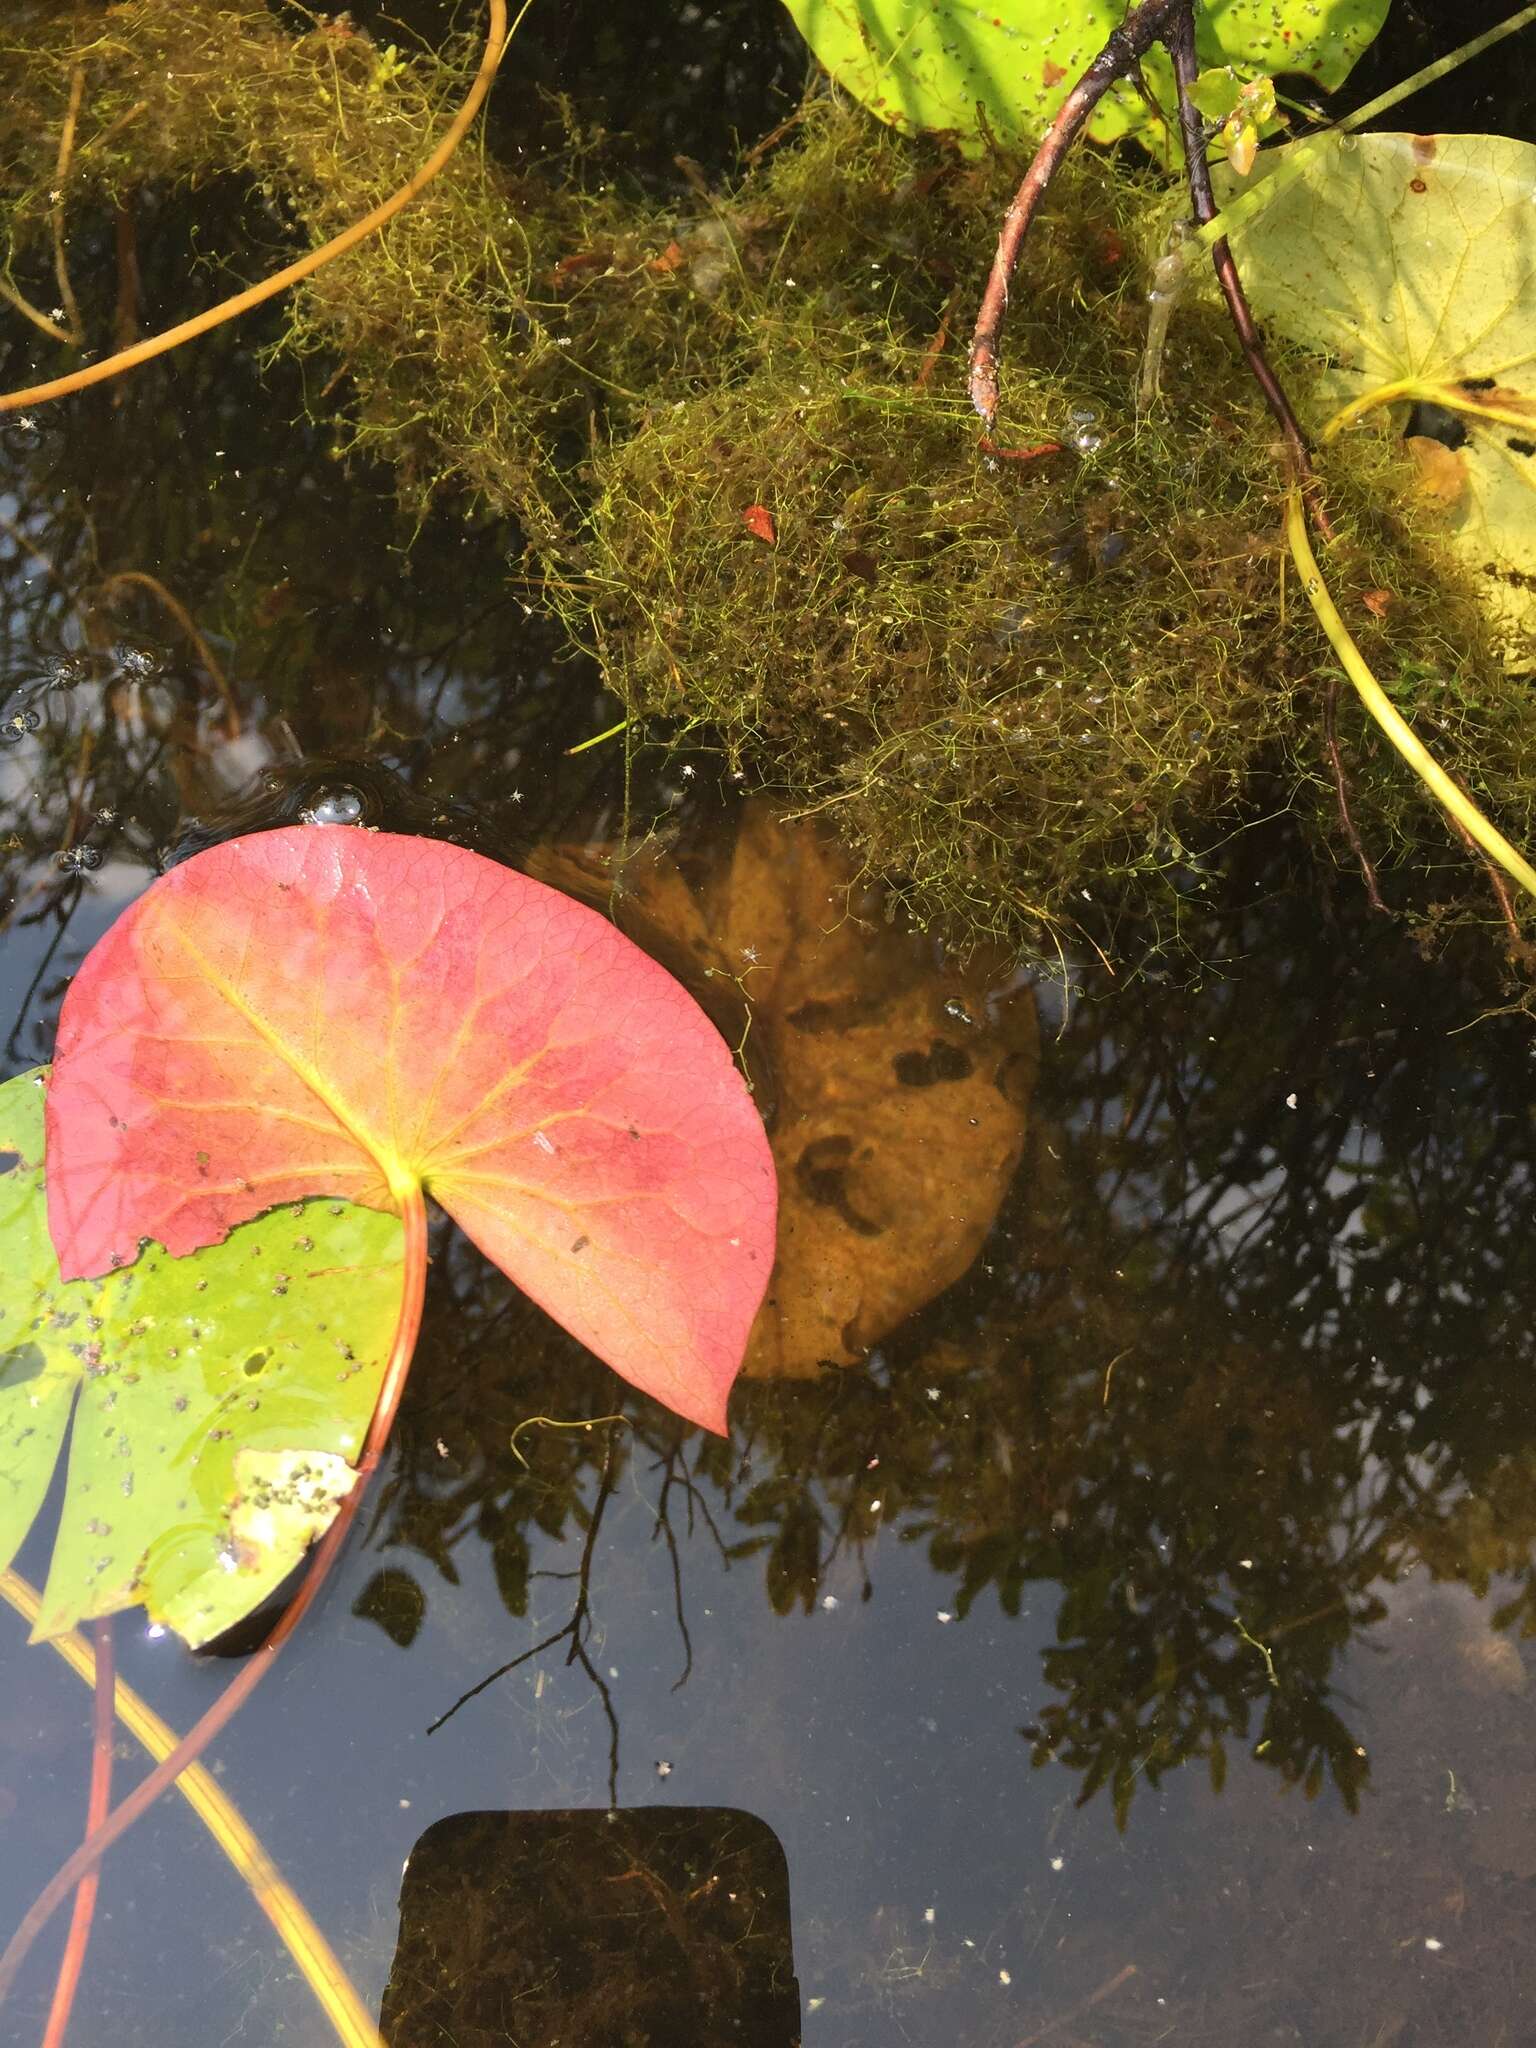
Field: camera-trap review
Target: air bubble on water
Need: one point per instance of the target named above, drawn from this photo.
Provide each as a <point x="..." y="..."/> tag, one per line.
<point x="1082" y="415"/>
<point x="1086" y="443"/>
<point x="340" y="806"/>
<point x="15" y="728"/>
<point x="78" y="860"/>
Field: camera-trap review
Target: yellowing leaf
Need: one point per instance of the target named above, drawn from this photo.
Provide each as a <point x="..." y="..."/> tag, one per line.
<point x="1409" y="262"/>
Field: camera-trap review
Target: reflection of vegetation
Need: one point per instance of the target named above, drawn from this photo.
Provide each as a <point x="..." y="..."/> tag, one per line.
<point x="1215" y="1329"/>
<point x="1228" y="1367"/>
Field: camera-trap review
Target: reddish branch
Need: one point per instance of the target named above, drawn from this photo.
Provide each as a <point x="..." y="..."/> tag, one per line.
<point x="1180" y="40"/>
<point x="1172" y="23"/>
<point x="1119" y="58"/>
<point x="97" y="1802"/>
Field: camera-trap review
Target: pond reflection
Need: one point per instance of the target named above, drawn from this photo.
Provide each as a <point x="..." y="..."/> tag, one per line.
<point x="1147" y="1382"/>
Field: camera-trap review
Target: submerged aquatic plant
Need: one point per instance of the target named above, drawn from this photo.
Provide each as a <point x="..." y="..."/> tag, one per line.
<point x="1033" y="692"/>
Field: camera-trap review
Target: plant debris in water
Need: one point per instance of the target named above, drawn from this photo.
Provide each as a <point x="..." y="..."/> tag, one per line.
<point x="1033" y="688"/>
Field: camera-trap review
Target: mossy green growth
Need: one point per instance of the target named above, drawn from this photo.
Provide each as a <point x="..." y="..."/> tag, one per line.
<point x="1032" y="692"/>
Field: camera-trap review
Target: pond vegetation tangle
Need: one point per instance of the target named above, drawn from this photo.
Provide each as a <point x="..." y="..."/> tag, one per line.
<point x="766" y="795"/>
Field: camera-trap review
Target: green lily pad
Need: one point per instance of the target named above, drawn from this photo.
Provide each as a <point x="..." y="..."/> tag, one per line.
<point x="934" y="66"/>
<point x="1409" y="263"/>
<point x="218" y="1399"/>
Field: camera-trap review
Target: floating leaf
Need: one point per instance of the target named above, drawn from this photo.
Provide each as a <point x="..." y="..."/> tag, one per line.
<point x="326" y="1010"/>
<point x="192" y="1375"/>
<point x="1007" y="67"/>
<point x="1409" y="262"/>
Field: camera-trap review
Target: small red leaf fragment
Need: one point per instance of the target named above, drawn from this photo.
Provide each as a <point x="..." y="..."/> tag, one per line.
<point x="1377" y="602"/>
<point x="1052" y="74"/>
<point x="989" y="447"/>
<point x="758" y="520"/>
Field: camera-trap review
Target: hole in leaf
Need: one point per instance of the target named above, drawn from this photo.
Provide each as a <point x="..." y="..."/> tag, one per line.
<point x="9" y="1161"/>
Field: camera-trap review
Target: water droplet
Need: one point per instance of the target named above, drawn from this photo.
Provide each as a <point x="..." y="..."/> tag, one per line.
<point x="341" y="806"/>
<point x="78" y="860"/>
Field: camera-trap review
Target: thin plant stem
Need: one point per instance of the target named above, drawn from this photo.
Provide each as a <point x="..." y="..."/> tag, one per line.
<point x="1120" y="55"/>
<point x="497" y="38"/>
<point x="1375" y="699"/>
<point x="229" y="1828"/>
<point x="245" y="1682"/>
<point x="67" y="301"/>
<point x="98" y="1800"/>
<point x="142" y="580"/>
<point x="1180" y="40"/>
<point x="1341" y="796"/>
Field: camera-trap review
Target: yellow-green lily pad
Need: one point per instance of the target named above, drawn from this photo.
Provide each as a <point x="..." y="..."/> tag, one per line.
<point x="218" y="1400"/>
<point x="1005" y="68"/>
<point x="1409" y="263"/>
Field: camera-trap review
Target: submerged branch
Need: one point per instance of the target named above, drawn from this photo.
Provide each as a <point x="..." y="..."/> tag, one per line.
<point x="245" y="1682"/>
<point x="309" y="1948"/>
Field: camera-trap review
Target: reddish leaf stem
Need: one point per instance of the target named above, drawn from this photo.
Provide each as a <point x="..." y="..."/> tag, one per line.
<point x="1179" y="37"/>
<point x="238" y="1691"/>
<point x="100" y="1796"/>
<point x="1126" y="46"/>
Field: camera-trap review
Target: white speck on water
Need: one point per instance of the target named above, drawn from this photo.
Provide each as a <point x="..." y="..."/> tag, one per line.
<point x="663" y="1769"/>
<point x="1058" y="1862"/>
<point x="1005" y="1977"/>
<point x="1432" y="1945"/>
<point x="830" y="1604"/>
<point x="928" y="1915"/>
<point x="1290" y="1102"/>
<point x="945" y="1615"/>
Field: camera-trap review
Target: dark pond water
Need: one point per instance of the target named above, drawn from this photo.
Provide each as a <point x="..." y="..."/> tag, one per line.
<point x="1133" y="1648"/>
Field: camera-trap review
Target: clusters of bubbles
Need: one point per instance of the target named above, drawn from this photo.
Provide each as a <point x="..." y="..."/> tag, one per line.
<point x="14" y="729"/>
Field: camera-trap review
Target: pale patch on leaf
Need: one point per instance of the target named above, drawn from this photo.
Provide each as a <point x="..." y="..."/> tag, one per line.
<point x="1409" y="262"/>
<point x="285" y="1501"/>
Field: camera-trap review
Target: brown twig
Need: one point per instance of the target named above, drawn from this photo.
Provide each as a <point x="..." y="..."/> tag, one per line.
<point x="1496" y="880"/>
<point x="1179" y="37"/>
<point x="125" y="313"/>
<point x="1126" y="46"/>
<point x="1341" y="792"/>
<point x="98" y="1801"/>
<point x="73" y="328"/>
<point x="1083" y="2005"/>
<point x="141" y="579"/>
<point x="939" y="343"/>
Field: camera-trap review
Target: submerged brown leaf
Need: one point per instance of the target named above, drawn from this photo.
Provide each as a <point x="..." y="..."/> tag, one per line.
<point x="895" y="1083"/>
